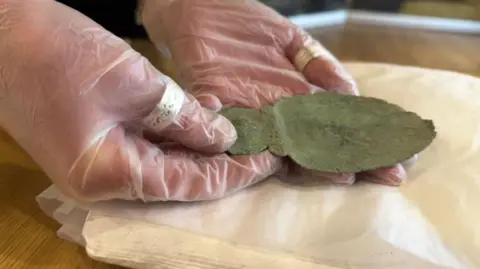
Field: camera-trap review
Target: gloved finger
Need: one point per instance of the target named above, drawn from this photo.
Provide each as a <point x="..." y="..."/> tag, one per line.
<point x="207" y="177"/>
<point x="325" y="70"/>
<point x="392" y="176"/>
<point x="124" y="166"/>
<point x="196" y="127"/>
<point x="209" y="101"/>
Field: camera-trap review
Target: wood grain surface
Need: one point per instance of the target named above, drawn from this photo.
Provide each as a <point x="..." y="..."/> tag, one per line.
<point x="28" y="238"/>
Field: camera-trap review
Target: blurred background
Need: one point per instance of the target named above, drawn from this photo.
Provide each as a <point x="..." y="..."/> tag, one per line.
<point x="455" y="9"/>
<point x="297" y="7"/>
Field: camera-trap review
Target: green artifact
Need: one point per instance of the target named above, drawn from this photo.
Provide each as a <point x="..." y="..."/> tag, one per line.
<point x="331" y="132"/>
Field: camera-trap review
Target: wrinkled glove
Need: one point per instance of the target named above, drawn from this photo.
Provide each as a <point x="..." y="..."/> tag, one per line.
<point x="74" y="97"/>
<point x="242" y="52"/>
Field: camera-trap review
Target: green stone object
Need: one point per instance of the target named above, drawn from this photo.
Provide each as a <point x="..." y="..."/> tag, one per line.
<point x="331" y="132"/>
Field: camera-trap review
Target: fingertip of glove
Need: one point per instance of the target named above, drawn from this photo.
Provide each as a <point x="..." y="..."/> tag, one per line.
<point x="390" y="176"/>
<point x="221" y="132"/>
<point x="201" y="129"/>
<point x="331" y="76"/>
<point x="209" y="101"/>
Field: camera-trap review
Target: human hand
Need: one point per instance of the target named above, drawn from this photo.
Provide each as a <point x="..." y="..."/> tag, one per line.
<point x="244" y="53"/>
<point x="74" y="96"/>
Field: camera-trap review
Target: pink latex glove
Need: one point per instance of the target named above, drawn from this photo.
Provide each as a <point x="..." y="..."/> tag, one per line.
<point x="242" y="52"/>
<point x="68" y="91"/>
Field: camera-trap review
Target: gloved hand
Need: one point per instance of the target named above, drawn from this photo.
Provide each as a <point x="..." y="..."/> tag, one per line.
<point x="74" y="96"/>
<point x="243" y="51"/>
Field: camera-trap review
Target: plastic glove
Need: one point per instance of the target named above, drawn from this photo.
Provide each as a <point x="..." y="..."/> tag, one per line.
<point x="74" y="96"/>
<point x="242" y="52"/>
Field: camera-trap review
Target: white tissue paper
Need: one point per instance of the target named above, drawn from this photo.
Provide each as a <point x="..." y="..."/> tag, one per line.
<point x="433" y="221"/>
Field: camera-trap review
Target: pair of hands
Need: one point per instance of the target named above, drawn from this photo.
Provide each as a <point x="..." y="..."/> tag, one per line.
<point x="72" y="94"/>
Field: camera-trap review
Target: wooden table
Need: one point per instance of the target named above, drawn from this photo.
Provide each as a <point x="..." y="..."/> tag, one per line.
<point x="27" y="236"/>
